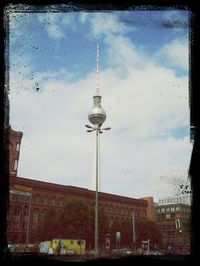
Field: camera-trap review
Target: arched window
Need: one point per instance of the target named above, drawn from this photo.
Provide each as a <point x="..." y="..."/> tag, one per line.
<point x="10" y="146"/>
<point x="53" y="201"/>
<point x="37" y="198"/>
<point x="17" y="217"/>
<point x="61" y="201"/>
<point x="42" y="214"/>
<point x="15" y="165"/>
<point x="46" y="199"/>
<point x="111" y="208"/>
<point x="26" y="210"/>
<point x="35" y="218"/>
<point x="17" y="146"/>
<point x="17" y="210"/>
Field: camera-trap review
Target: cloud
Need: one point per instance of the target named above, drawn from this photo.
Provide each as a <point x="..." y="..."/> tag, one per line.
<point x="175" y="19"/>
<point x="122" y="53"/>
<point x="103" y="24"/>
<point x="83" y="17"/>
<point x="51" y="23"/>
<point x="56" y="23"/>
<point x="15" y="21"/>
<point x="175" y="54"/>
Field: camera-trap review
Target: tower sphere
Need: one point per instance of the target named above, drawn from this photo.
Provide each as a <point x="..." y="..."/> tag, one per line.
<point x="97" y="115"/>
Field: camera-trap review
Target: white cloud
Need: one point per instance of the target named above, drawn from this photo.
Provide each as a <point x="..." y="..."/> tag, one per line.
<point x="83" y="17"/>
<point x="175" y="54"/>
<point x="103" y="24"/>
<point x="55" y="23"/>
<point x="51" y="22"/>
<point x="16" y="22"/>
<point x="147" y="100"/>
<point x="122" y="53"/>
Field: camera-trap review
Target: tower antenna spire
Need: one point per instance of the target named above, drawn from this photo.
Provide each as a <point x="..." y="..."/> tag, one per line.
<point x="97" y="71"/>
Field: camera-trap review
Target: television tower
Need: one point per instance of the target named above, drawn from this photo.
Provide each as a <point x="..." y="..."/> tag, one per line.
<point x="97" y="117"/>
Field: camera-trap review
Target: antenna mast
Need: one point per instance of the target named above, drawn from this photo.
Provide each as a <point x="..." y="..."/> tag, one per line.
<point x="97" y="71"/>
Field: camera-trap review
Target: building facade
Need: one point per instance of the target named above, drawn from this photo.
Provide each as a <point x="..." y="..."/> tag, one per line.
<point x="151" y="211"/>
<point x="14" y="141"/>
<point x="30" y="199"/>
<point x="184" y="199"/>
<point x="47" y="195"/>
<point x="174" y="223"/>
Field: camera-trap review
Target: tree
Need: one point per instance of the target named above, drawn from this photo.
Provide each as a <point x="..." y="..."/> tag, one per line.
<point x="48" y="228"/>
<point x="103" y="227"/>
<point x="77" y="220"/>
<point x="147" y="230"/>
<point x="126" y="233"/>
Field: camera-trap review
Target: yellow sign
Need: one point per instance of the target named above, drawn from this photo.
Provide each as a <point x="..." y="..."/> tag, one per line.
<point x="23" y="188"/>
<point x="69" y="246"/>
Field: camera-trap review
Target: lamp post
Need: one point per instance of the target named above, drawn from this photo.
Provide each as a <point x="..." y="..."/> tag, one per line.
<point x="28" y="221"/>
<point x="134" y="236"/>
<point x="97" y="116"/>
<point x="24" y="191"/>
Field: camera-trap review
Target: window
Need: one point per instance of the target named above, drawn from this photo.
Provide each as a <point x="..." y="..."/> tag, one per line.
<point x="46" y="200"/>
<point x="178" y="223"/>
<point x="26" y="211"/>
<point x="43" y="213"/>
<point x="167" y="209"/>
<point x="168" y="216"/>
<point x="162" y="210"/>
<point x="17" y="210"/>
<point x="35" y="218"/>
<point x="37" y="199"/>
<point x="15" y="165"/>
<point x="17" y="146"/>
<point x="172" y="209"/>
<point x="53" y="201"/>
<point x="24" y="225"/>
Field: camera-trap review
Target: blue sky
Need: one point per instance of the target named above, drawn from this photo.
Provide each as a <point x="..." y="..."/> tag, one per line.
<point x="144" y="77"/>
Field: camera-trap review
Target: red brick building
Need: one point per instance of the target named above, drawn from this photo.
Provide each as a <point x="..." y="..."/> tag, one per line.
<point x="14" y="142"/>
<point x="29" y="207"/>
<point x="174" y="221"/>
<point x="151" y="211"/>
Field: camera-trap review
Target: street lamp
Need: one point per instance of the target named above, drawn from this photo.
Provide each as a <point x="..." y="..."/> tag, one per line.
<point x="97" y="117"/>
<point x="24" y="191"/>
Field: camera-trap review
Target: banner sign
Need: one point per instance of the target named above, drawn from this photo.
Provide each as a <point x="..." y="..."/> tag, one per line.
<point x="23" y="188"/>
<point x="20" y="192"/>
